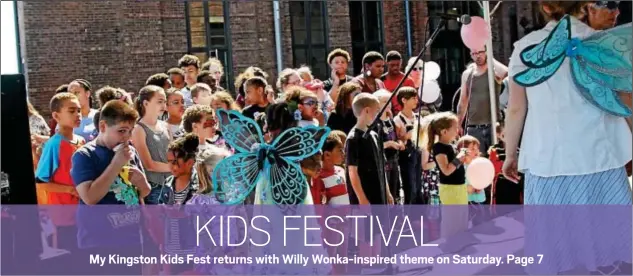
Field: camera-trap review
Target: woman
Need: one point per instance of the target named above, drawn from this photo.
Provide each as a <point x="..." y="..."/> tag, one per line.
<point x="83" y="90"/>
<point x="602" y="15"/>
<point x="581" y="163"/>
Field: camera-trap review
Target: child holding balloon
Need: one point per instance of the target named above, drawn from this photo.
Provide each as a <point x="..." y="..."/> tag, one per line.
<point x="476" y="197"/>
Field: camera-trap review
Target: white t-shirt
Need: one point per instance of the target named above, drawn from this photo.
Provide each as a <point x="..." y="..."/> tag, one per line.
<point x="563" y="133"/>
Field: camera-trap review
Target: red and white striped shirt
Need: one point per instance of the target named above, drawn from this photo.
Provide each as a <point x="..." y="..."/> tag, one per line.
<point x="330" y="187"/>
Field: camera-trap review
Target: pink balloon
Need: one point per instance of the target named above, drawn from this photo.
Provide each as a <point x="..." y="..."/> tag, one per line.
<point x="475" y="34"/>
<point x="480" y="173"/>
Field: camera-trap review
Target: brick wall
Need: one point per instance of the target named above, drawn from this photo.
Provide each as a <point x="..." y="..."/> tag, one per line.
<point x="118" y="43"/>
<point x="339" y="34"/>
<point x="395" y="28"/>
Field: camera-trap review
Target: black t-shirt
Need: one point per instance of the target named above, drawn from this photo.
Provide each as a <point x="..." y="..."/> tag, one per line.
<point x="327" y="85"/>
<point x="388" y="132"/>
<point x="250" y="110"/>
<point x="368" y="157"/>
<point x="458" y="177"/>
<point x="343" y="123"/>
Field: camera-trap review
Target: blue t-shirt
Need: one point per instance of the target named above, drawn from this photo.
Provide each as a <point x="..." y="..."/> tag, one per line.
<point x="114" y="220"/>
<point x="87" y="127"/>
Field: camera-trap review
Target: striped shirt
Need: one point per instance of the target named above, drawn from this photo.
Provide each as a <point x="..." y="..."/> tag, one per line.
<point x="331" y="187"/>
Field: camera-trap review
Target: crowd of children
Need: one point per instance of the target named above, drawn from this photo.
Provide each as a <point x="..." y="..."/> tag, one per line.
<point x="162" y="148"/>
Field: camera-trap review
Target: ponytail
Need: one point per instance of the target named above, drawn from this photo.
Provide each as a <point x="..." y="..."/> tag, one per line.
<point x="145" y="94"/>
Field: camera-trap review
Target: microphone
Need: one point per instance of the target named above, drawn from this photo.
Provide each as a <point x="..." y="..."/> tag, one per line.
<point x="464" y="19"/>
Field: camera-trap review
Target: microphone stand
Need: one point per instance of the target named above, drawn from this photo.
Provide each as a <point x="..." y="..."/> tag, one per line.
<point x="391" y="270"/>
<point x="408" y="72"/>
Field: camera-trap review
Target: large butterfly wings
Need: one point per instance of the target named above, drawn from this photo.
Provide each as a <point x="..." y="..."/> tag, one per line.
<point x="544" y="59"/>
<point x="298" y="143"/>
<point x="602" y="68"/>
<point x="235" y="177"/>
<point x="240" y="132"/>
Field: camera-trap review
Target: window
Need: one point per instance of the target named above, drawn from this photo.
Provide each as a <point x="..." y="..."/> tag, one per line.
<point x="366" y="27"/>
<point x="309" y="36"/>
<point x="208" y="34"/>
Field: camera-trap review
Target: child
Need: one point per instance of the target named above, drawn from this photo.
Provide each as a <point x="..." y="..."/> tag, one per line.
<point x="151" y="136"/>
<point x="201" y="120"/>
<point x="190" y="66"/>
<point x="177" y="78"/>
<point x="343" y="118"/>
<point x="105" y="176"/>
<point x="54" y="167"/>
<point x="256" y="95"/>
<point x="329" y="187"/>
<point x="476" y="198"/>
<point x="83" y="89"/>
<point x="364" y="158"/>
<point x="223" y="100"/>
<point x="430" y="173"/>
<point x="175" y="110"/>
<point x="442" y="131"/>
<point x="104" y="95"/>
<point x="409" y="159"/>
<point x="503" y="191"/>
<point x="311" y="168"/>
<point x="201" y="94"/>
<point x="393" y="146"/>
<point x="307" y="111"/>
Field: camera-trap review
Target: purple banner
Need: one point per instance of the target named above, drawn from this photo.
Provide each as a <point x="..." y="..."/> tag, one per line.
<point x="316" y="240"/>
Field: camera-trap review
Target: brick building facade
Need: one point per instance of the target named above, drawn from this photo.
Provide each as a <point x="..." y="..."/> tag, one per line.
<point x="121" y="43"/>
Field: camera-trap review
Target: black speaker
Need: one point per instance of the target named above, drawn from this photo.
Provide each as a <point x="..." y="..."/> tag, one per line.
<point x="20" y="219"/>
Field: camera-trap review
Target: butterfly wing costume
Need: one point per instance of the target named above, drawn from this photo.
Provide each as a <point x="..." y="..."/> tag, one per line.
<point x="600" y="64"/>
<point x="255" y="161"/>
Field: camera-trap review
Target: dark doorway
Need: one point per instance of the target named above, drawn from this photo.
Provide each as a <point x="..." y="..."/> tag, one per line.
<point x="367" y="30"/>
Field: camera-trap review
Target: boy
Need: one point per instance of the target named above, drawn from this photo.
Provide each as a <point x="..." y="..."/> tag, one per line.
<point x="409" y="159"/>
<point x="392" y="146"/>
<point x="54" y="166"/>
<point x="256" y="94"/>
<point x="504" y="191"/>
<point x="177" y="78"/>
<point x="329" y="187"/>
<point x="190" y="65"/>
<point x="476" y="198"/>
<point x="108" y="171"/>
<point x="201" y="94"/>
<point x="160" y="80"/>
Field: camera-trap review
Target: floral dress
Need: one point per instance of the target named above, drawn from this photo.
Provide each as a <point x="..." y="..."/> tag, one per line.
<point x="430" y="179"/>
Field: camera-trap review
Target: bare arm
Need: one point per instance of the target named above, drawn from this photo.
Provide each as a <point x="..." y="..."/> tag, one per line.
<point x="358" y="189"/>
<point x="627" y="99"/>
<point x="462" y="105"/>
<point x="445" y="166"/>
<point x="91" y="192"/>
<point x="426" y="164"/>
<point x="515" y="118"/>
<point x="501" y="71"/>
<point x="138" y="139"/>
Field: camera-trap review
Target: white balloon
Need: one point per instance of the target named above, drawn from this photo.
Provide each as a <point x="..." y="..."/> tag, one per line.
<point x="480" y="173"/>
<point x="430" y="91"/>
<point x="431" y="71"/>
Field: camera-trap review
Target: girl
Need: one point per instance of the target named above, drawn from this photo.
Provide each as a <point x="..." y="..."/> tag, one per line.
<point x="409" y="159"/>
<point x="287" y="78"/>
<point x="82" y="89"/>
<point x="442" y="132"/>
<point x="308" y="112"/>
<point x="39" y="132"/>
<point x="106" y="94"/>
<point x="391" y="143"/>
<point x="343" y="118"/>
<point x="151" y="137"/>
<point x="580" y="164"/>
<point x="241" y="80"/>
<point x="430" y="173"/>
<point x="175" y="110"/>
<point x="201" y="120"/>
<point x="305" y="74"/>
<point x="223" y="100"/>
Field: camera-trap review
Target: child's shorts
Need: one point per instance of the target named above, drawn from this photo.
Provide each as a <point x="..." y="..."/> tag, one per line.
<point x="453" y="194"/>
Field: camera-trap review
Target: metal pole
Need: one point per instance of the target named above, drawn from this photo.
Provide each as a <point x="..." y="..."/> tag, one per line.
<point x="408" y="20"/>
<point x="491" y="73"/>
<point x="277" y="20"/>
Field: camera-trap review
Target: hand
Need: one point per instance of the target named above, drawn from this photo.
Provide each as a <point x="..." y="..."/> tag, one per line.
<point x="391" y="144"/>
<point x="511" y="169"/>
<point x="363" y="201"/>
<point x="122" y="155"/>
<point x="320" y="117"/>
<point x="334" y="76"/>
<point x="471" y="190"/>
<point x="138" y="179"/>
<point x="462" y="154"/>
<point x="390" y="200"/>
<point x="401" y="145"/>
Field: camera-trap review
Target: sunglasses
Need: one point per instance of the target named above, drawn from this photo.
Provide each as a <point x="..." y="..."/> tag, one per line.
<point x="610" y="5"/>
<point x="309" y="102"/>
<point x="478" y="53"/>
<point x="418" y="68"/>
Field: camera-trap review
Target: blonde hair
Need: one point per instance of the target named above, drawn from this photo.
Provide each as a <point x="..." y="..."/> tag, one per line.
<point x="305" y="70"/>
<point x="420" y="133"/>
<point x="437" y="123"/>
<point x="211" y="156"/>
<point x="284" y="77"/>
<point x="362" y="101"/>
<point x="225" y="98"/>
<point x="467" y="141"/>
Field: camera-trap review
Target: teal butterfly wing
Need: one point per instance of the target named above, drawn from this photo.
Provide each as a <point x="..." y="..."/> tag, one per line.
<point x="601" y="68"/>
<point x="288" y="185"/>
<point x="240" y="132"/>
<point x="544" y="59"/>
